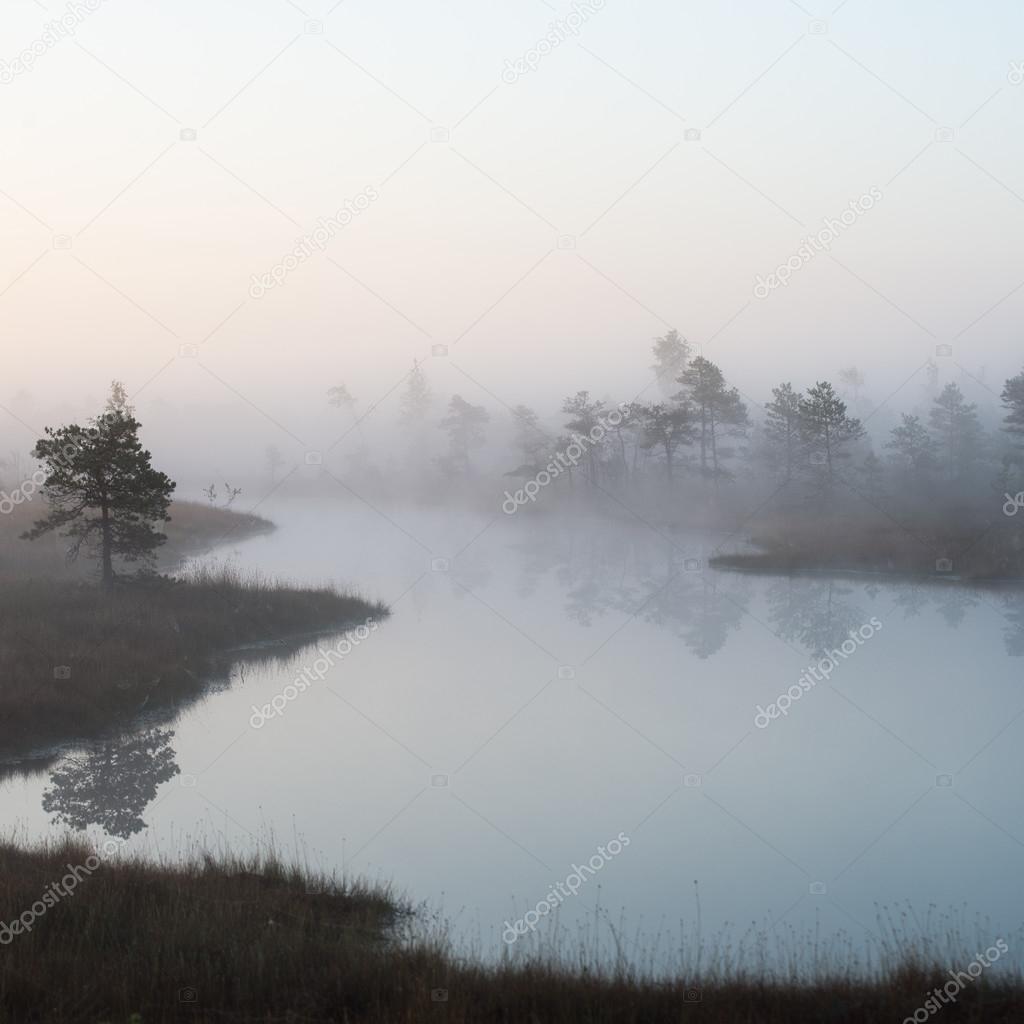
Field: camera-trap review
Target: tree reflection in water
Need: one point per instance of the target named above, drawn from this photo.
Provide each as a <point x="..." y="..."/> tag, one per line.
<point x="112" y="784"/>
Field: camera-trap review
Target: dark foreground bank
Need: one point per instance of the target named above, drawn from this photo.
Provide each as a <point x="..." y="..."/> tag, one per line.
<point x="226" y="940"/>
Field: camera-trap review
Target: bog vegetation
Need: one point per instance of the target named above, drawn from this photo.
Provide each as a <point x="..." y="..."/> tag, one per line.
<point x="93" y="630"/>
<point x="231" y="939"/>
<point x="816" y="477"/>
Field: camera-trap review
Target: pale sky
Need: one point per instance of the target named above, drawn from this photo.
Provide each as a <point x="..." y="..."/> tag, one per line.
<point x="544" y="227"/>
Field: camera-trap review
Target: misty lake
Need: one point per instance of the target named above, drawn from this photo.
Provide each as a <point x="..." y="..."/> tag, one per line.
<point x="545" y="686"/>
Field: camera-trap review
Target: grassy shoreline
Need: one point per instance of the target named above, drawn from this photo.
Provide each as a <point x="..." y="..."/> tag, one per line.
<point x="230" y="940"/>
<point x="76" y="661"/>
<point x="977" y="552"/>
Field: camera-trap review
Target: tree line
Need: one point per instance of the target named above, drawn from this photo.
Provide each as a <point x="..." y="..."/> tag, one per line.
<point x="699" y="427"/>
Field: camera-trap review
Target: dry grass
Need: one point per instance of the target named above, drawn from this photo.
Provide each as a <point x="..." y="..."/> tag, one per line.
<point x="977" y="549"/>
<point x="192" y="529"/>
<point x="75" y="660"/>
<point x="227" y="940"/>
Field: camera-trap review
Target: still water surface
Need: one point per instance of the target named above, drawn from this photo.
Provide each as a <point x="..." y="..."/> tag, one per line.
<point x="543" y="686"/>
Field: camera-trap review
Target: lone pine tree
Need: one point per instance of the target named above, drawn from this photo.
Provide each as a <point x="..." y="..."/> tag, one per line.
<point x="103" y="492"/>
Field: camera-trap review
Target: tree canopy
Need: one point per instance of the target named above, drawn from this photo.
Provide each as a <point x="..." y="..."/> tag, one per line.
<point x="103" y="492"/>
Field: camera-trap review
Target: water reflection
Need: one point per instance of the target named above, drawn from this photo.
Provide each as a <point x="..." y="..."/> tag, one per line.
<point x="662" y="581"/>
<point x="448" y="688"/>
<point x="818" y="615"/>
<point x="112" y="784"/>
<point x="1013" y="634"/>
<point x="702" y="609"/>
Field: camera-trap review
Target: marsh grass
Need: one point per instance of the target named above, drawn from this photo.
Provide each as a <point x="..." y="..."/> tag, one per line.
<point x="193" y="528"/>
<point x="76" y="660"/>
<point x="976" y="549"/>
<point x="232" y="939"/>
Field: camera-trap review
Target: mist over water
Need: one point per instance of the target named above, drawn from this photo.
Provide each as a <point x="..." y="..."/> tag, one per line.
<point x="498" y="728"/>
<point x="658" y="365"/>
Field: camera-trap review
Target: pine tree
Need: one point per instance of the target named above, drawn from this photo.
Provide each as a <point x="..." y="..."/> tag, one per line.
<point x="914" y="446"/>
<point x="782" y="429"/>
<point x="718" y="410"/>
<point x="827" y="431"/>
<point x="340" y="397"/>
<point x="1013" y="421"/>
<point x="417" y="398"/>
<point x="671" y="352"/>
<point x="853" y="379"/>
<point x="465" y="425"/>
<point x="957" y="431"/>
<point x="666" y="428"/>
<point x="530" y="438"/>
<point x="103" y="492"/>
<point x="585" y="415"/>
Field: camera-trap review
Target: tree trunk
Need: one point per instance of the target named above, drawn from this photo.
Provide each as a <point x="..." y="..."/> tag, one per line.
<point x="107" y="558"/>
<point x="703" y="440"/>
<point x="714" y="447"/>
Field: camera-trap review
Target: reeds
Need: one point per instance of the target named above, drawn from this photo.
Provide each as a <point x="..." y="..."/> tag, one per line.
<point x="231" y="939"/>
<point x="76" y="660"/>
